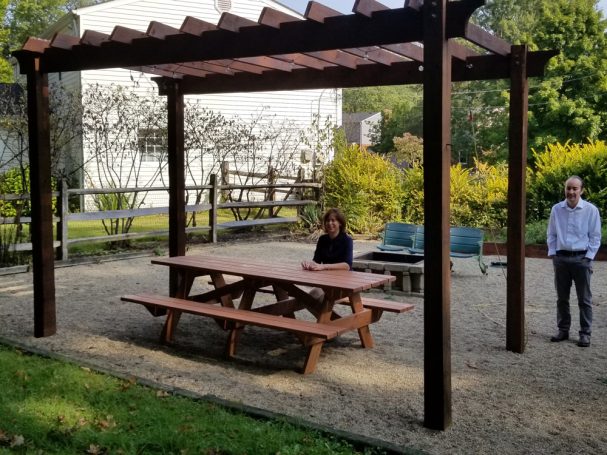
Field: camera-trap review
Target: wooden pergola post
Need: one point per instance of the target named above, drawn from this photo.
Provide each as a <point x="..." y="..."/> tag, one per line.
<point x="515" y="287"/>
<point x="176" y="161"/>
<point x="43" y="254"/>
<point x="437" y="159"/>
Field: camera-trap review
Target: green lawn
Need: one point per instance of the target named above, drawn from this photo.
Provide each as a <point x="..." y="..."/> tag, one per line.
<point x="95" y="228"/>
<point x="48" y="406"/>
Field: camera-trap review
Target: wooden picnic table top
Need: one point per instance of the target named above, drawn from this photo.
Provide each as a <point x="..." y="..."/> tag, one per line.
<point x="342" y="280"/>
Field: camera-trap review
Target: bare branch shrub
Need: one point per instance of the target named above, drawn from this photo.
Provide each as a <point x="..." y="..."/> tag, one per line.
<point x="117" y="124"/>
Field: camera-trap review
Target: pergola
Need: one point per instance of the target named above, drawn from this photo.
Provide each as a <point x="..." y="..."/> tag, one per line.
<point x="421" y="43"/>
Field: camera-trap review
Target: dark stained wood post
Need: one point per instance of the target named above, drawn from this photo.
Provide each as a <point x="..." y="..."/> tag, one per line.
<point x="213" y="192"/>
<point x="272" y="174"/>
<point x="515" y="305"/>
<point x="437" y="162"/>
<point x="176" y="159"/>
<point x="43" y="260"/>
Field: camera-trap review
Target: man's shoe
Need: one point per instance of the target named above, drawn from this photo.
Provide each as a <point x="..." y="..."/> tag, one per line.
<point x="560" y="336"/>
<point x="584" y="340"/>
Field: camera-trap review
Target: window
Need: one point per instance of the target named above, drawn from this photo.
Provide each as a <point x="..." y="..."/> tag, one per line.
<point x="152" y="144"/>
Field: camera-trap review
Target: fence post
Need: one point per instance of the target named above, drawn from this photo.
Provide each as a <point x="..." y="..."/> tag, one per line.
<point x="316" y="189"/>
<point x="271" y="191"/>
<point x="299" y="191"/>
<point x="62" y="228"/>
<point x="213" y="211"/>
<point x="225" y="178"/>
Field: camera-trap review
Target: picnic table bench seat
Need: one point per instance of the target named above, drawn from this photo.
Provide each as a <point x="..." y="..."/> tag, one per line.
<point x="250" y="317"/>
<point x="257" y="222"/>
<point x="378" y="306"/>
<point x="265" y="204"/>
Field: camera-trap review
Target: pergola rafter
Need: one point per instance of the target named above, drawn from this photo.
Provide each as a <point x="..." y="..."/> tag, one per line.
<point x="420" y="43"/>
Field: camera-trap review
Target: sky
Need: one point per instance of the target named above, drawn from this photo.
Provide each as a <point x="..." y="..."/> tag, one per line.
<point x="345" y="6"/>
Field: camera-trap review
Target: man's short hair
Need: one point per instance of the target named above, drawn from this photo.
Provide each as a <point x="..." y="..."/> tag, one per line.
<point x="577" y="177"/>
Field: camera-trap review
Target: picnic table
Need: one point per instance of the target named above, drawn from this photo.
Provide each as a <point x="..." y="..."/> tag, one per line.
<point x="232" y="303"/>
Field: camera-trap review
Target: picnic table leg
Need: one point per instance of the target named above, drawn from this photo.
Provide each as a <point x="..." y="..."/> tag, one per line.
<point x="170" y="325"/>
<point x="281" y="294"/>
<point x="245" y="304"/>
<point x="185" y="280"/>
<point x="325" y="315"/>
<point x="312" y="358"/>
<point x="366" y="339"/>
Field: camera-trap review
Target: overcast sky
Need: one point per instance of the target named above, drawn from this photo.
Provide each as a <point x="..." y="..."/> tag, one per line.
<point x="345" y="6"/>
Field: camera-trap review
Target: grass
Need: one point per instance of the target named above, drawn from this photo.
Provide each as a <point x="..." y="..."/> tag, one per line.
<point x="48" y="406"/>
<point x="535" y="233"/>
<point x="94" y="228"/>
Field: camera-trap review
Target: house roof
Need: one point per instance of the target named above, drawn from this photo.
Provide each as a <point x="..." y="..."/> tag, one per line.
<point x="373" y="46"/>
<point x="357" y="117"/>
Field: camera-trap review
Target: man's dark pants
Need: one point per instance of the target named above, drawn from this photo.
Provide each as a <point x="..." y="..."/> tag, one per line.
<point x="568" y="270"/>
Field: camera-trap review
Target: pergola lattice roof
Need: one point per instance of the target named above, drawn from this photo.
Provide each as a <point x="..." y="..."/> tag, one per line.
<point x="373" y="46"/>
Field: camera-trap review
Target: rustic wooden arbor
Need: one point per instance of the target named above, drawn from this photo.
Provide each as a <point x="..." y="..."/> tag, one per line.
<point x="420" y="43"/>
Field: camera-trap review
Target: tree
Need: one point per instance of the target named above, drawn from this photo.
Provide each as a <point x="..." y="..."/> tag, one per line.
<point x="65" y="129"/>
<point x="400" y="106"/>
<point x="570" y="102"/>
<point x="25" y="18"/>
<point x="408" y="151"/>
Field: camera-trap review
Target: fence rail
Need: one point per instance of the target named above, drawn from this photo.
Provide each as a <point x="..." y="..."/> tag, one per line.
<point x="293" y="197"/>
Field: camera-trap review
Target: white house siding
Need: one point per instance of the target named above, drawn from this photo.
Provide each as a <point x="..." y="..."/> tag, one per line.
<point x="297" y="107"/>
<point x="367" y="128"/>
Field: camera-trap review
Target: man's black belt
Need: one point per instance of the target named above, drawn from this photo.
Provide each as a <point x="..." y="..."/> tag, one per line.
<point x="571" y="253"/>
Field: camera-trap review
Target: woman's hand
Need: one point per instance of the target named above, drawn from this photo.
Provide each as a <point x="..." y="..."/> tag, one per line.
<point x="311" y="265"/>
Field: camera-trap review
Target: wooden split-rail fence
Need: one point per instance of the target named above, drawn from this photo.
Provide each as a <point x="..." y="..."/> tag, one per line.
<point x="244" y="200"/>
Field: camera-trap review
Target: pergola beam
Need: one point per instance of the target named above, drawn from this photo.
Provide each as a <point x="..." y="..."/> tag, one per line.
<point x="337" y="32"/>
<point x="483" y="67"/>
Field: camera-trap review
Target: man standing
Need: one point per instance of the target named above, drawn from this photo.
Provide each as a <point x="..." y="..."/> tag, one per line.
<point x="574" y="237"/>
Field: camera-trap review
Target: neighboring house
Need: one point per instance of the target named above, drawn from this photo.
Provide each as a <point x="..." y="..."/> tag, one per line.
<point x="298" y="107"/>
<point x="11" y="136"/>
<point x="360" y="126"/>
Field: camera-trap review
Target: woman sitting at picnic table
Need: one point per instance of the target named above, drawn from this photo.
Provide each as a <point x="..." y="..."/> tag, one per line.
<point x="333" y="249"/>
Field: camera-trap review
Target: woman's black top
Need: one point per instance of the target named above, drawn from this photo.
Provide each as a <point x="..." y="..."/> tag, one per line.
<point x="334" y="251"/>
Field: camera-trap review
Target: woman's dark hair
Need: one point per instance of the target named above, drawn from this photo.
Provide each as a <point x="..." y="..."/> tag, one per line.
<point x="338" y="216"/>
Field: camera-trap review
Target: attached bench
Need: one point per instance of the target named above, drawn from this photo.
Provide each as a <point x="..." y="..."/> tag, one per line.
<point x="398" y="236"/>
<point x="465" y="242"/>
<point x="265" y="204"/>
<point x="378" y="306"/>
<point x="257" y="222"/>
<point x="311" y="333"/>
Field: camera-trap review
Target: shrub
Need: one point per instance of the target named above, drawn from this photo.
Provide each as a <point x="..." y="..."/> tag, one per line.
<point x="413" y="195"/>
<point x="478" y="196"/>
<point x="365" y="186"/>
<point x="17" y="181"/>
<point x="492" y="183"/>
<point x="559" y="161"/>
<point x="408" y="150"/>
